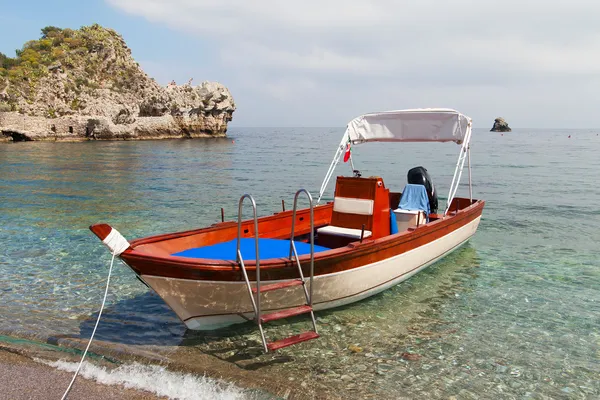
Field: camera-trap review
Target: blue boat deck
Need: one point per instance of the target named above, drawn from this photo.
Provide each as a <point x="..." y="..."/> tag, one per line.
<point x="268" y="248"/>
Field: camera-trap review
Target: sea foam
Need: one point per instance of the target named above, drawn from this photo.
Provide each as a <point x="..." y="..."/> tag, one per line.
<point x="155" y="379"/>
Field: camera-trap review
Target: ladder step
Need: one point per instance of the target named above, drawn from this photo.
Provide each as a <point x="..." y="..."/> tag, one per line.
<point x="278" y="285"/>
<point x="290" y="312"/>
<point x="303" y="337"/>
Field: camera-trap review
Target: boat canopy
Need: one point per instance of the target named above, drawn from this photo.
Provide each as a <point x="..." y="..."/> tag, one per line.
<point x="417" y="125"/>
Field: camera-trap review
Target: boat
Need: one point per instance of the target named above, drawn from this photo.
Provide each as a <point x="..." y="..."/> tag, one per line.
<point x="368" y="239"/>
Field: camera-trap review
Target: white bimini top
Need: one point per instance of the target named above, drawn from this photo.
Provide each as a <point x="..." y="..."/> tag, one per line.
<point x="417" y="125"/>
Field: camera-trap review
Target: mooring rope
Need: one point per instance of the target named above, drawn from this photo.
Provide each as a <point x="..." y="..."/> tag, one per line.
<point x="115" y="242"/>
<point x="117" y="245"/>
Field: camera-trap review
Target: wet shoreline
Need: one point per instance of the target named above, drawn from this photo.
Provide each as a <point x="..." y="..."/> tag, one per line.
<point x="255" y="384"/>
<point x="23" y="378"/>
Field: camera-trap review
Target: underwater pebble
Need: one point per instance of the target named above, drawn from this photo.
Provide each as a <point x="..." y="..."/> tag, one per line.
<point x="501" y="369"/>
<point x="410" y="356"/>
<point x="586" y="390"/>
<point x="355" y="349"/>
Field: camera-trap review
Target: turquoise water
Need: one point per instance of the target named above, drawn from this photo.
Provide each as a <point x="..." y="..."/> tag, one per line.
<point x="513" y="314"/>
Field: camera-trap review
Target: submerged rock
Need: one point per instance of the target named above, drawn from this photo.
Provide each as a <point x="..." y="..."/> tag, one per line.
<point x="500" y="125"/>
<point x="85" y="85"/>
<point x="410" y="356"/>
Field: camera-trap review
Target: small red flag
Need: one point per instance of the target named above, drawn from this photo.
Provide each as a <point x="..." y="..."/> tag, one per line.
<point x="347" y="154"/>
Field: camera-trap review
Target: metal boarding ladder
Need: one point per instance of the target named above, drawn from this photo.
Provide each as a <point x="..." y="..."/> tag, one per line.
<point x="258" y="289"/>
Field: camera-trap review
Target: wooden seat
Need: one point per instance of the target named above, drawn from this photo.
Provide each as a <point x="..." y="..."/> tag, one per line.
<point x="359" y="203"/>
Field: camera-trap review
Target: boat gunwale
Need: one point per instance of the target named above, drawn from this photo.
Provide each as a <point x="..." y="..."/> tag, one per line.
<point x="352" y="250"/>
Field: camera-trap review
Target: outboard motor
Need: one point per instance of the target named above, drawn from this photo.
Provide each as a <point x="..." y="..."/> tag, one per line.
<point x="419" y="176"/>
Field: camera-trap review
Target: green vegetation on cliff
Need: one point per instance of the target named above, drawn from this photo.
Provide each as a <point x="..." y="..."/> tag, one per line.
<point x="86" y="59"/>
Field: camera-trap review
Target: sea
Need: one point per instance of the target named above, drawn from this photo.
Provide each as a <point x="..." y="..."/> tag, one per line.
<point x="513" y="314"/>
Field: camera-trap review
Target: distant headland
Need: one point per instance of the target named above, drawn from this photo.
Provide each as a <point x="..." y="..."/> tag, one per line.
<point x="500" y="125"/>
<point x="74" y="85"/>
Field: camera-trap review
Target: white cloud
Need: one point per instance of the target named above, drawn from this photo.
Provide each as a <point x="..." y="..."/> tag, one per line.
<point x="371" y="48"/>
<point x="313" y="59"/>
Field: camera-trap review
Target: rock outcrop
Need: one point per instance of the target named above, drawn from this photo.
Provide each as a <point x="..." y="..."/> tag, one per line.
<point x="84" y="85"/>
<point x="500" y="125"/>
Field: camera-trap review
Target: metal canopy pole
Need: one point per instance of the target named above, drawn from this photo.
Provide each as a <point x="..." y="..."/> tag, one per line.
<point x="334" y="162"/>
<point x="459" y="168"/>
<point x="470" y="180"/>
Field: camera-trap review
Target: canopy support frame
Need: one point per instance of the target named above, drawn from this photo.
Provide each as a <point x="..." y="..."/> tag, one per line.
<point x="334" y="163"/>
<point x="470" y="179"/>
<point x="462" y="156"/>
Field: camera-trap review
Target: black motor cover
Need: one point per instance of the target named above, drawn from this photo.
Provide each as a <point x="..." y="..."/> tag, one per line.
<point x="419" y="176"/>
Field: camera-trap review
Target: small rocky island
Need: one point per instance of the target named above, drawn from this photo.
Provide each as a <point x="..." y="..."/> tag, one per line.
<point x="500" y="125"/>
<point x="74" y="85"/>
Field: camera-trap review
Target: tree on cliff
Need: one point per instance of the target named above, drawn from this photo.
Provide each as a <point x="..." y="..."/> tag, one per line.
<point x="50" y="31"/>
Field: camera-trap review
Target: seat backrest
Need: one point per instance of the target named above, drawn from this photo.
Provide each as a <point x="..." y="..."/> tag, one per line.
<point x="361" y="201"/>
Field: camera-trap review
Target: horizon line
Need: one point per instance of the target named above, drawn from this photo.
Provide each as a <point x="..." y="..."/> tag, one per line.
<point x="343" y="126"/>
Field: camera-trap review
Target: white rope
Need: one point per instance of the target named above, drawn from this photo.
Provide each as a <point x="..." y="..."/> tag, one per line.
<point x="115" y="242"/>
<point x="117" y="245"/>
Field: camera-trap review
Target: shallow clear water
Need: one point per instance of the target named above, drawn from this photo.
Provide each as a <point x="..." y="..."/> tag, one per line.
<point x="513" y="314"/>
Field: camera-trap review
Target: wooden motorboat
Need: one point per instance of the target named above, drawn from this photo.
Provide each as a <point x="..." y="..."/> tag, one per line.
<point x="295" y="262"/>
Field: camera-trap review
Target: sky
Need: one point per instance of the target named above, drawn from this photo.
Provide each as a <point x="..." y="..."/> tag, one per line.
<point x="321" y="63"/>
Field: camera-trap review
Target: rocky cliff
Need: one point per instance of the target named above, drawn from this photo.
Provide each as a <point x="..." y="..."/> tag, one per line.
<point x="84" y="84"/>
<point x="500" y="125"/>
